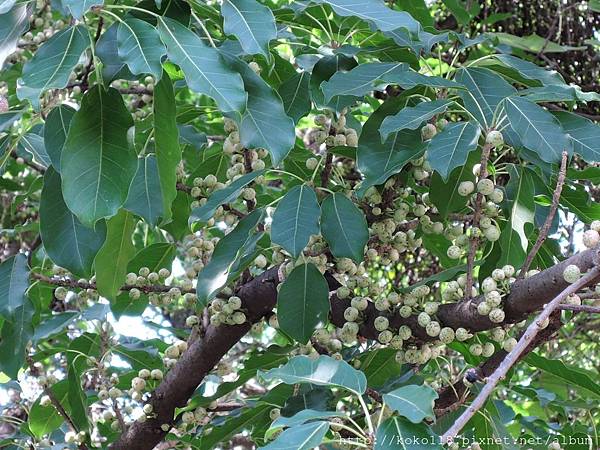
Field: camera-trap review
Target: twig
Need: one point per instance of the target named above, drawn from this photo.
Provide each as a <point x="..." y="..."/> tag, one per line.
<point x="581" y="308"/>
<point x="548" y="222"/>
<point x="474" y="242"/>
<point x="32" y="164"/>
<point x="326" y="173"/>
<point x="68" y="282"/>
<point x="63" y="413"/>
<point x="515" y="353"/>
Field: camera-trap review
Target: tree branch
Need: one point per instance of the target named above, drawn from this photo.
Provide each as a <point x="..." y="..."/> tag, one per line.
<point x="549" y="218"/>
<point x="524" y="342"/>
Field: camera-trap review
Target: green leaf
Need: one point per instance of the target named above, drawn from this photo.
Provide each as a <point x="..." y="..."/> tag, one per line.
<point x="97" y="164"/>
<point x="570" y="375"/>
<point x="323" y="70"/>
<point x="17" y="331"/>
<point x="56" y="130"/>
<point x="33" y="143"/>
<point x="107" y="49"/>
<point x="112" y="259"/>
<point x="222" y="196"/>
<point x="227" y="252"/>
<point x="412" y="401"/>
<point x="12" y="25"/>
<point x="577" y="200"/>
<point x="52" y="64"/>
<point x="55" y="324"/>
<point x="485" y="91"/>
<point x="530" y="70"/>
<point x="344" y="227"/>
<point x="412" y="117"/>
<point x="397" y="433"/>
<point x="303" y="302"/>
<point x="145" y="196"/>
<point x="166" y="142"/>
<point x="79" y="7"/>
<point x="140" y="47"/>
<point x="380" y="366"/>
<point x="377" y="160"/>
<point x="450" y="148"/>
<point x="362" y="79"/>
<point x="67" y="242"/>
<point x="304" y="416"/>
<point x="296" y="219"/>
<point x="539" y="130"/>
<point x="323" y="371"/>
<point x="533" y="43"/>
<point x="300" y="437"/>
<point x="77" y="398"/>
<point x="252" y="23"/>
<point x="374" y="12"/>
<point x="583" y="133"/>
<point x="139" y="355"/>
<point x="14" y="281"/>
<point x="294" y="93"/>
<point x="264" y="122"/>
<point x="202" y="66"/>
<point x="45" y="419"/>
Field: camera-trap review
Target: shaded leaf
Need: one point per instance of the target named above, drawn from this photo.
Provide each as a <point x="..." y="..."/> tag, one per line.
<point x="450" y="148"/>
<point x="140" y="47"/>
<point x="52" y="64"/>
<point x="583" y="133"/>
<point x="303" y="417"/>
<point x="79" y="7"/>
<point x="412" y="401"/>
<point x="97" y="164"/>
<point x="539" y="130"/>
<point x="45" y="419"/>
<point x="203" y="67"/>
<point x="56" y="130"/>
<point x="294" y="93"/>
<point x="67" y="242"/>
<point x="112" y="259"/>
<point x="145" y="193"/>
<point x="13" y="24"/>
<point x="303" y="302"/>
<point x="14" y="281"/>
<point x="396" y="433"/>
<point x="300" y="437"/>
<point x="107" y="50"/>
<point x="16" y="333"/>
<point x="323" y="371"/>
<point x="344" y="227"/>
<point x="412" y="117"/>
<point x="252" y="23"/>
<point x="296" y="219"/>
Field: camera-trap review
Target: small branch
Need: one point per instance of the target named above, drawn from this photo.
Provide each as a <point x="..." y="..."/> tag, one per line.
<point x="580" y="308"/>
<point x="474" y="241"/>
<point x="548" y="222"/>
<point x="524" y="342"/>
<point x="594" y="117"/>
<point x="74" y="284"/>
<point x="63" y="413"/>
<point x="31" y="164"/>
<point x="326" y="173"/>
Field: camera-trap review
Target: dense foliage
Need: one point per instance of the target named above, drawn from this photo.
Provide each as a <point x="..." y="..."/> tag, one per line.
<point x="325" y="224"/>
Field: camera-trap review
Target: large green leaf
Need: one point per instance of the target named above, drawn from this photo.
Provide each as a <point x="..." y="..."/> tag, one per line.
<point x="303" y="302"/>
<point x="374" y="12"/>
<point x="344" y="227"/>
<point x="140" y="47"/>
<point x="112" y="259"/>
<point x="14" y="281"/>
<point x="107" y="49"/>
<point x="529" y="70"/>
<point x="16" y="333"/>
<point x="294" y="93"/>
<point x="222" y="196"/>
<point x="56" y="130"/>
<point x="12" y="24"/>
<point x="485" y="91"/>
<point x="323" y="70"/>
<point x="300" y="437"/>
<point x="202" y="66"/>
<point x="412" y="117"/>
<point x="583" y="133"/>
<point x="296" y="219"/>
<point x="378" y="160"/>
<point x="380" y="366"/>
<point x="79" y="7"/>
<point x="227" y="252"/>
<point x="362" y="79"/>
<point x="451" y="147"/>
<point x="97" y="164"/>
<point x="323" y="371"/>
<point x="67" y="242"/>
<point x="52" y="64"/>
<point x="166" y="142"/>
<point x="412" y="401"/>
<point x="45" y="419"/>
<point x="252" y="23"/>
<point x="264" y="122"/>
<point x="397" y="433"/>
<point x="145" y="196"/>
<point x="539" y="130"/>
